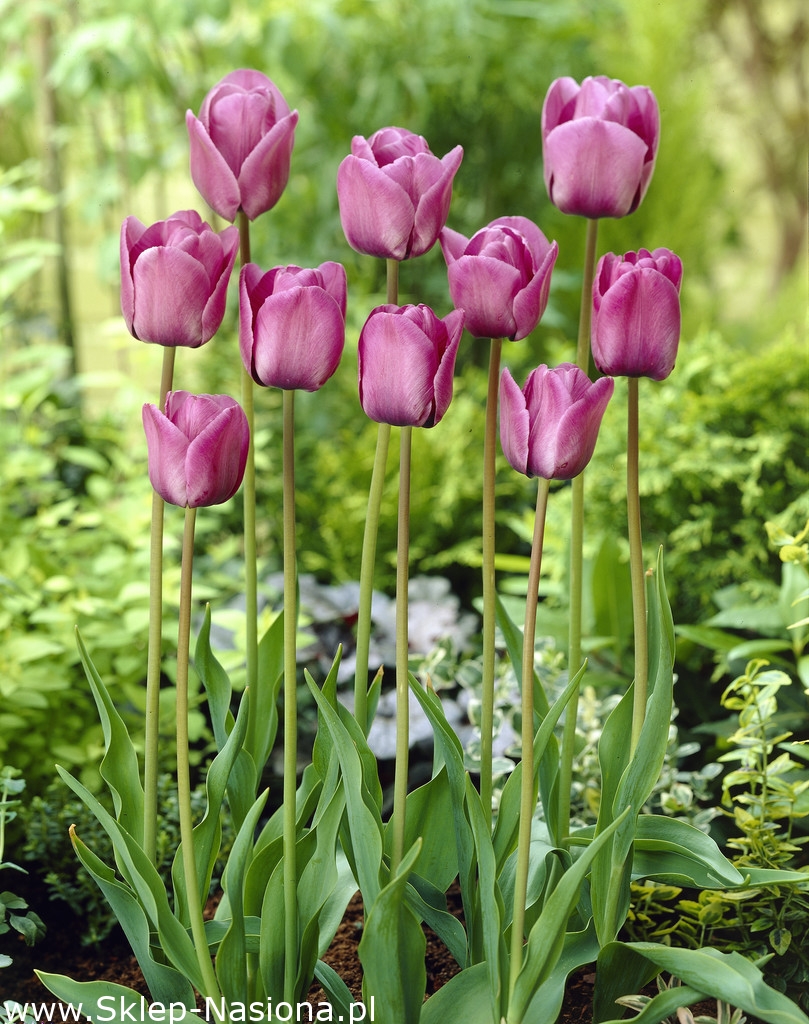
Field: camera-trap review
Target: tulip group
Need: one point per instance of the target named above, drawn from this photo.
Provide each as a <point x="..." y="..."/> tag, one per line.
<point x="636" y="313"/>
<point x="500" y="277"/>
<point x="599" y="144"/>
<point x="406" y="363"/>
<point x="394" y="194"/>
<point x="292" y="324"/>
<point x="550" y="427"/>
<point x="197" y="448"/>
<point x="174" y="278"/>
<point x="241" y="145"/>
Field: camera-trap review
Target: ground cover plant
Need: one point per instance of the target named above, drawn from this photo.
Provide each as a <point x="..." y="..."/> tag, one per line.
<point x="541" y="895"/>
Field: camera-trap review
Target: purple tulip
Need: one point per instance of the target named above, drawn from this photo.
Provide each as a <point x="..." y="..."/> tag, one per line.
<point x="174" y="278"/>
<point x="599" y="143"/>
<point x="292" y="324"/>
<point x="394" y="194"/>
<point x="406" y="362"/>
<point x="500" y="277"/>
<point x="550" y="427"/>
<point x="197" y="448"/>
<point x="241" y="145"/>
<point x="636" y="313"/>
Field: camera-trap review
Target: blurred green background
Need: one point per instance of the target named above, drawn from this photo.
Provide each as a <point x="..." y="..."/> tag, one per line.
<point x="93" y="95"/>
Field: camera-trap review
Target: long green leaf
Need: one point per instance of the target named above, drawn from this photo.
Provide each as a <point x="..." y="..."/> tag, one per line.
<point x="465" y="997"/>
<point x="711" y="974"/>
<point x="392" y="950"/>
<point x="119" y="766"/>
<point x="89" y="995"/>
<point x="166" y="985"/>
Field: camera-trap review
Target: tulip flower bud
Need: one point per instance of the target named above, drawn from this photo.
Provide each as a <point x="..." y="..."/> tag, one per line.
<point x="174" y="278"/>
<point x="500" y="277"/>
<point x="550" y="427"/>
<point x="394" y="194"/>
<point x="406" y="363"/>
<point x="197" y="448"/>
<point x="292" y="324"/>
<point x="241" y="145"/>
<point x="636" y="313"/>
<point x="599" y="144"/>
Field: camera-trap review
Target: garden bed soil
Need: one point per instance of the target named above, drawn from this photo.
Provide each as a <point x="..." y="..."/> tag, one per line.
<point x="61" y="952"/>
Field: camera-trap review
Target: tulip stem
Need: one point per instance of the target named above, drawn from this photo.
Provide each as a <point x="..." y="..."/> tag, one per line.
<point x="527" y="792"/>
<point x="574" y="658"/>
<point x="369" y="541"/>
<point x="636" y="564"/>
<point x="195" y="907"/>
<point x="153" y="661"/>
<point x="402" y="650"/>
<point x="250" y="555"/>
<point x="290" y="703"/>
<point x="367" y="576"/>
<point x="489" y="592"/>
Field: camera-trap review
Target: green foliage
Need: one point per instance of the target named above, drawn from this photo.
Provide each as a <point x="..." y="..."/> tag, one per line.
<point x="46" y="821"/>
<point x="14" y="912"/>
<point x="764" y="794"/>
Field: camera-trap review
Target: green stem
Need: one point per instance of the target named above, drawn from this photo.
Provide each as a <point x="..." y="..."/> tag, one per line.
<point x="153" y="657"/>
<point x="489" y="592"/>
<point x="369" y="541"/>
<point x="290" y="703"/>
<point x="574" y="658"/>
<point x="250" y="556"/>
<point x="367" y="576"/>
<point x="402" y="648"/>
<point x="211" y="988"/>
<point x="638" y="575"/>
<point x="527" y="793"/>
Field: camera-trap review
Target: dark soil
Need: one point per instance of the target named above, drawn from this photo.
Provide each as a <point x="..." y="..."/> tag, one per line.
<point x="61" y="952"/>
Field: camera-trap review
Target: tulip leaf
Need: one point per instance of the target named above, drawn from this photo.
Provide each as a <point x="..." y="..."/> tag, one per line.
<point x="705" y="973"/>
<point x="465" y="997"/>
<point x="392" y="949"/>
<point x="363" y="814"/>
<point x="231" y="959"/>
<point x="546" y="940"/>
<point x="119" y="766"/>
<point x="336" y="989"/>
<point x="428" y="813"/>
<point x="165" y="983"/>
<point x="142" y="876"/>
<point x="130" y="1005"/>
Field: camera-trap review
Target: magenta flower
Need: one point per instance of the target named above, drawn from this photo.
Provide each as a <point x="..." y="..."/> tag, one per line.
<point x="406" y="362"/>
<point x="636" y="313"/>
<point x="599" y="143"/>
<point x="174" y="278"/>
<point x="241" y="145"/>
<point x="394" y="194"/>
<point x="197" y="448"/>
<point x="550" y="427"/>
<point x="500" y="277"/>
<point x="292" y="324"/>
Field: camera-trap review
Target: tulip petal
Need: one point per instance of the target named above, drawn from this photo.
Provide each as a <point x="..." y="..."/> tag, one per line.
<point x="433" y="205"/>
<point x="375" y="212"/>
<point x="265" y="171"/>
<point x="397" y="368"/>
<point x="514" y="423"/>
<point x="171" y="292"/>
<point x="442" y="385"/>
<point x="216" y="458"/>
<point x="532" y="301"/>
<point x="298" y="339"/>
<point x="636" y="331"/>
<point x="167" y="447"/>
<point x="593" y="168"/>
<point x="577" y="431"/>
<point x="453" y="244"/>
<point x="210" y="173"/>
<point x="485" y="289"/>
